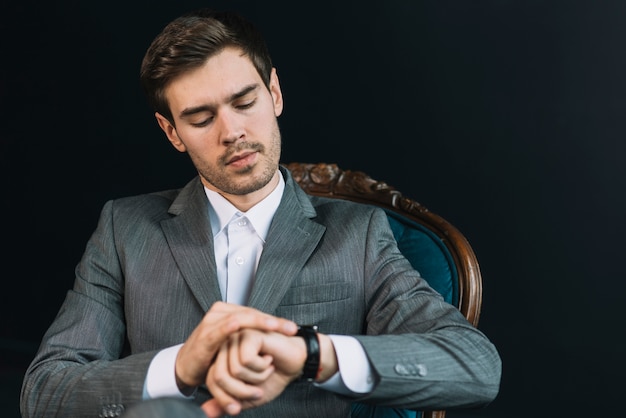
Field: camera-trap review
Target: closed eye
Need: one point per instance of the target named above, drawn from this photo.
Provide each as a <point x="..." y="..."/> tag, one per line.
<point x="245" y="105"/>
<point x="202" y="123"/>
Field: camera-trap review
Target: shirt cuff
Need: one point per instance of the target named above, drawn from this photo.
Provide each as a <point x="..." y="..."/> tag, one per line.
<point x="355" y="376"/>
<point x="161" y="376"/>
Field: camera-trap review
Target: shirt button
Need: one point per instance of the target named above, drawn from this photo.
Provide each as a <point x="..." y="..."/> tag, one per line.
<point x="239" y="260"/>
<point x="242" y="222"/>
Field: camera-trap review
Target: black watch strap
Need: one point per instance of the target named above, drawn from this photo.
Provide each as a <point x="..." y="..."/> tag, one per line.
<point x="312" y="363"/>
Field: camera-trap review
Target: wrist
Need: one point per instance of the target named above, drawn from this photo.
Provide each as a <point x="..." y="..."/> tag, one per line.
<point x="184" y="388"/>
<point x="181" y="383"/>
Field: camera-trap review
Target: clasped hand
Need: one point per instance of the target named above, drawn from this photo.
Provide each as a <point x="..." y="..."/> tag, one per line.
<point x="252" y="368"/>
<point x="245" y="357"/>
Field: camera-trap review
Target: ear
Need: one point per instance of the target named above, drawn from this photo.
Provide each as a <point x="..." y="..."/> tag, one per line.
<point x="277" y="94"/>
<point x="170" y="132"/>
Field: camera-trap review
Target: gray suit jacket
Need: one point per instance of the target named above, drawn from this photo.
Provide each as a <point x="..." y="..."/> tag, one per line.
<point x="148" y="276"/>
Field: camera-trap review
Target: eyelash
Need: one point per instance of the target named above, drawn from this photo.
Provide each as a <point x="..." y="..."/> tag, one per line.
<point x="201" y="124"/>
<point x="247" y="105"/>
<point x="244" y="106"/>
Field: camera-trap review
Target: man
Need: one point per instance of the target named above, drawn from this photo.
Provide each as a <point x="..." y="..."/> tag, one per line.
<point x="194" y="294"/>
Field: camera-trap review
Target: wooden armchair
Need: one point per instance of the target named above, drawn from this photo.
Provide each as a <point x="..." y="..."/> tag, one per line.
<point x="435" y="248"/>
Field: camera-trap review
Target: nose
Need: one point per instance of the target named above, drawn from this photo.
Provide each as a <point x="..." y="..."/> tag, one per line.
<point x="230" y="127"/>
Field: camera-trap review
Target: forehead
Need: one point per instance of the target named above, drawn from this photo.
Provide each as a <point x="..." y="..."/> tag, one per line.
<point x="221" y="76"/>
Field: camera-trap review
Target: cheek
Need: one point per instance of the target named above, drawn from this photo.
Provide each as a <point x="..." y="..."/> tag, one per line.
<point x="200" y="147"/>
<point x="194" y="137"/>
<point x="264" y="120"/>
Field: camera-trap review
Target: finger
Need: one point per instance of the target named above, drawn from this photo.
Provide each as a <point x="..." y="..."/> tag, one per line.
<point x="229" y="391"/>
<point x="235" y="317"/>
<point x="252" y="368"/>
<point x="222" y="320"/>
<point x="212" y="409"/>
<point x="249" y="354"/>
<point x="221" y="401"/>
<point x="257" y="364"/>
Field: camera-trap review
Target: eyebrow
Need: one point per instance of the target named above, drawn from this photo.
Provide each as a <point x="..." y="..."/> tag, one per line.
<point x="204" y="108"/>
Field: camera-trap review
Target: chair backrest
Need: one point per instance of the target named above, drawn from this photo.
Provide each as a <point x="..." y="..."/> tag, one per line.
<point x="437" y="249"/>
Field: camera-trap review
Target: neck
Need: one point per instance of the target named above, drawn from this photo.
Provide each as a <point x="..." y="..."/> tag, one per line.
<point x="247" y="201"/>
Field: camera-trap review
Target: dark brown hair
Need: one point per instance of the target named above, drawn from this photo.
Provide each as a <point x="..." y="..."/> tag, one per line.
<point x="189" y="41"/>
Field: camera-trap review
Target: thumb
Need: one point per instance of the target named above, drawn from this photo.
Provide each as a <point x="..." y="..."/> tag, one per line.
<point x="212" y="409"/>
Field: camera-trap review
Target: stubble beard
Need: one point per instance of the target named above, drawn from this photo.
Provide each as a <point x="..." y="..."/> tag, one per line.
<point x="243" y="182"/>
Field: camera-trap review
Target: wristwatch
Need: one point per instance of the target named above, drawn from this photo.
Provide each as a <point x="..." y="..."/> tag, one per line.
<point x="312" y="363"/>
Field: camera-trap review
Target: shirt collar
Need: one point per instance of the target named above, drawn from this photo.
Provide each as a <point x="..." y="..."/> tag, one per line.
<point x="221" y="211"/>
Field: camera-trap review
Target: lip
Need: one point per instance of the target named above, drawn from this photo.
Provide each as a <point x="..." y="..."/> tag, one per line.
<point x="242" y="159"/>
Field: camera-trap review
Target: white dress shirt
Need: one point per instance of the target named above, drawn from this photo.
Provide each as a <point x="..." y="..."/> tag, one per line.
<point x="238" y="240"/>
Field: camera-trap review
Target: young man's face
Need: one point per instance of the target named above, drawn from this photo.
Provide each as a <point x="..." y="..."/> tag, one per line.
<point x="226" y="120"/>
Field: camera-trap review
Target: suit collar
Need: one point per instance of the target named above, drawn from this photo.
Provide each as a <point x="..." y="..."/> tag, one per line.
<point x="292" y="238"/>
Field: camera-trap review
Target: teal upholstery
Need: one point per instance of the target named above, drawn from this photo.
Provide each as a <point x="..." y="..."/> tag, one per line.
<point x="428" y="255"/>
<point x="362" y="410"/>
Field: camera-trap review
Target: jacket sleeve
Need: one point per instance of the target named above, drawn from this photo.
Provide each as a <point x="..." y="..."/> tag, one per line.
<point x="78" y="370"/>
<point x="430" y="356"/>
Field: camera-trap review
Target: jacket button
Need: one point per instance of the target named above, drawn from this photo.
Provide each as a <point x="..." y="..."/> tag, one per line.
<point x="401" y="369"/>
<point x="421" y="370"/>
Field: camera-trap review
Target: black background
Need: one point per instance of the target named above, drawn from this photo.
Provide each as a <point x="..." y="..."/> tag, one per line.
<point x="505" y="117"/>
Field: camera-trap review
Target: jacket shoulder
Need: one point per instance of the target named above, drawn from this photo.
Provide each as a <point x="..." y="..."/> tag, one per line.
<point x="152" y="202"/>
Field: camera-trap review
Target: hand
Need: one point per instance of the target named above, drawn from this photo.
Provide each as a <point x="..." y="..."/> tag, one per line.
<point x="251" y="369"/>
<point x="217" y="325"/>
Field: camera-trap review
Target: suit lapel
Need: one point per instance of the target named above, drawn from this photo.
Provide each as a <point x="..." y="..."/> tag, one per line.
<point x="291" y="240"/>
<point x="188" y="234"/>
